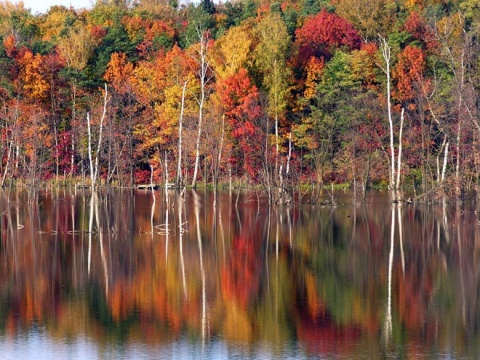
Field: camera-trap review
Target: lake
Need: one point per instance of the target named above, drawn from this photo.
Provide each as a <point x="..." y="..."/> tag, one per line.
<point x="128" y="275"/>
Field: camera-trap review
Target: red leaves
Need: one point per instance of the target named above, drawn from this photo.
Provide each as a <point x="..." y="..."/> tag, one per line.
<point x="416" y="26"/>
<point x="98" y="32"/>
<point x="239" y="96"/>
<point x="241" y="277"/>
<point x="324" y="32"/>
<point x="240" y="99"/>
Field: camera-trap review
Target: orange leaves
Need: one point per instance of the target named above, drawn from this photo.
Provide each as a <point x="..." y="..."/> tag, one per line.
<point x="118" y="73"/>
<point x="32" y="75"/>
<point x="10" y="44"/>
<point x="409" y="71"/>
<point x="147" y="31"/>
<point x="158" y="27"/>
<point x="314" y="73"/>
<point x="157" y="86"/>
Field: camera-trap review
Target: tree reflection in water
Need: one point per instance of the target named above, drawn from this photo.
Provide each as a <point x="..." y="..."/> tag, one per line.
<point x="365" y="280"/>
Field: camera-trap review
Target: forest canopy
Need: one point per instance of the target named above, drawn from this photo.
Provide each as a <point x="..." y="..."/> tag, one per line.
<point x="363" y="92"/>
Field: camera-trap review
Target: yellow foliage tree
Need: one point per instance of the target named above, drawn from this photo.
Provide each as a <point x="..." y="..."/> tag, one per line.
<point x="233" y="50"/>
<point x="77" y="47"/>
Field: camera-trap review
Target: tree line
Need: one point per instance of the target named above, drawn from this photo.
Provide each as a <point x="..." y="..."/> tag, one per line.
<point x="248" y="92"/>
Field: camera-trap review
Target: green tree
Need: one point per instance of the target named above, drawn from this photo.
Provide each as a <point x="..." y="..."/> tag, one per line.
<point x="271" y="60"/>
<point x="331" y="107"/>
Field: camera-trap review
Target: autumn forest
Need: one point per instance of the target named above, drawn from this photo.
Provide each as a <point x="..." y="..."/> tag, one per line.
<point x="358" y="92"/>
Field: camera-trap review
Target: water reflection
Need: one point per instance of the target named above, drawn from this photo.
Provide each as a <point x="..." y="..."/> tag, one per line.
<point x="138" y="275"/>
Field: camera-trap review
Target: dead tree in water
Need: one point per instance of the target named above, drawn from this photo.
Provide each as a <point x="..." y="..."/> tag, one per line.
<point x="394" y="183"/>
<point x="94" y="158"/>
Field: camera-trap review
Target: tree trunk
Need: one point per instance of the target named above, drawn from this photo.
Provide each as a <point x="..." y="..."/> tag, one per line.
<point x="204" y="66"/>
<point x="394" y="174"/>
<point x="178" y="180"/>
<point x="95" y="161"/>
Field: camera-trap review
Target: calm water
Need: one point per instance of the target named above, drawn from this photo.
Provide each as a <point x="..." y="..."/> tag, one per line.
<point x="121" y="276"/>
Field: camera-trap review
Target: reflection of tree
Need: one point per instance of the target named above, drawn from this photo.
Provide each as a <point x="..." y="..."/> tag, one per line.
<point x="241" y="276"/>
<point x="324" y="287"/>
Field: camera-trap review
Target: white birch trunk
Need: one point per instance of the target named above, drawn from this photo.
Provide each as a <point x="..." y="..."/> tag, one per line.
<point x="72" y="157"/>
<point x="7" y="164"/>
<point x="95" y="160"/>
<point x="445" y="159"/>
<point x="399" y="159"/>
<point x="386" y="56"/>
<point x="459" y="128"/>
<point x="287" y="170"/>
<point x="201" y="102"/>
<point x="180" y="130"/>
<point x="92" y="177"/>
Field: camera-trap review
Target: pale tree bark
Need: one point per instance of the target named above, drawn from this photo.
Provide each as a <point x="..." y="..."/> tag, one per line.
<point x="386" y="53"/>
<point x="394" y="184"/>
<point x="289" y="153"/>
<point x="388" y="317"/>
<point x="455" y="42"/>
<point x="94" y="159"/>
<point x="218" y="162"/>
<point x="72" y="157"/>
<point x="445" y="158"/>
<point x="178" y="180"/>
<point x="10" y="139"/>
<point x="428" y="95"/>
<point x="460" y="124"/>
<point x="202" y="59"/>
<point x="399" y="158"/>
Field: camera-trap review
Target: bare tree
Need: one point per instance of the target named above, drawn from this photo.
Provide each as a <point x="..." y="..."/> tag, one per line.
<point x="394" y="184"/>
<point x="178" y="180"/>
<point x="94" y="159"/>
<point x="204" y="75"/>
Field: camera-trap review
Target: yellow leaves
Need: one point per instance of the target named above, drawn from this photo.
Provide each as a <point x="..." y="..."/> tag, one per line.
<point x="77" y="47"/>
<point x="53" y="24"/>
<point x="270" y="57"/>
<point x="450" y="30"/>
<point x="7" y="8"/>
<point x="369" y="17"/>
<point x="364" y="65"/>
<point x="233" y="51"/>
<point x="146" y="84"/>
<point x="410" y="4"/>
<point x="450" y="26"/>
<point x="158" y="86"/>
<point x="237" y="324"/>
<point x="134" y="26"/>
<point x="171" y="106"/>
